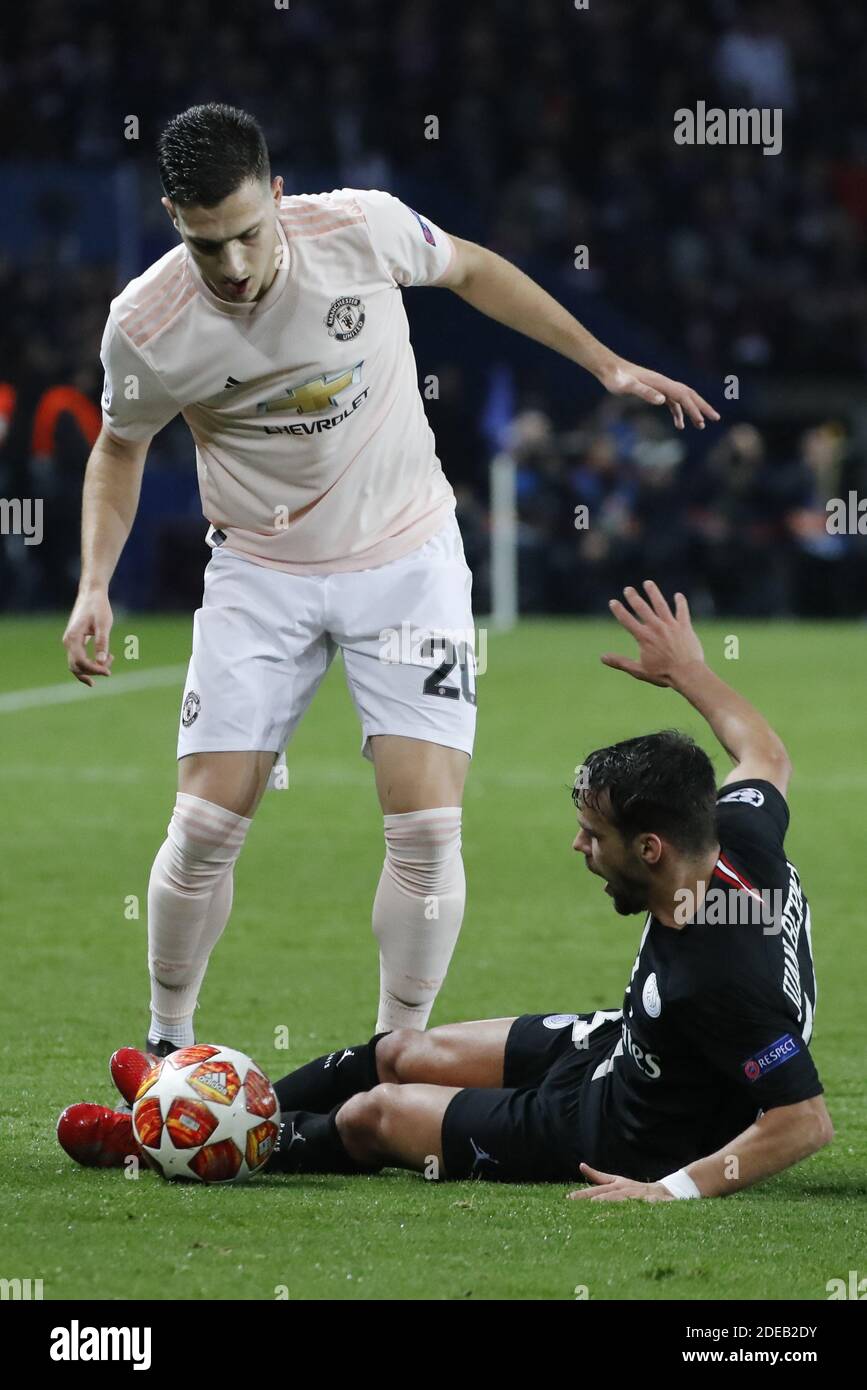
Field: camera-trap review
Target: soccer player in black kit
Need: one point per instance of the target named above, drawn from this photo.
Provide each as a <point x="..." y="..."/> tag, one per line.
<point x="700" y="1084"/>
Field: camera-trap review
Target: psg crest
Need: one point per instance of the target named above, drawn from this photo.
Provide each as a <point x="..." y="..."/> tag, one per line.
<point x="345" y="318"/>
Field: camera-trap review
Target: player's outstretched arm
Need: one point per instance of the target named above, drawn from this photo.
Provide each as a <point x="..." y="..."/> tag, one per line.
<point x="778" y="1139"/>
<point x="112" y="485"/>
<point x="499" y="289"/>
<point x="670" y="654"/>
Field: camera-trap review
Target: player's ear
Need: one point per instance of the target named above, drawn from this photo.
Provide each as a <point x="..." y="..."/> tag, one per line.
<point x="650" y="848"/>
<point x="277" y="188"/>
<point x="170" y="209"/>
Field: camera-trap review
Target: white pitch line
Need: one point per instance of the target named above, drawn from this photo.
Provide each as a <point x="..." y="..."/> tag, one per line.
<point x="65" y="694"/>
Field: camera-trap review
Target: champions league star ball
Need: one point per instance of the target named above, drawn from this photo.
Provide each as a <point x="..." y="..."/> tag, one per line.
<point x="206" y="1113"/>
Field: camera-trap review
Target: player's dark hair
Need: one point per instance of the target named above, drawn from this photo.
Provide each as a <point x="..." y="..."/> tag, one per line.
<point x="207" y="152"/>
<point x="661" y="783"/>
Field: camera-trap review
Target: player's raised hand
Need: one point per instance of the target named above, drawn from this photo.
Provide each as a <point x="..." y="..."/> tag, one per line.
<point x="90" y="618"/>
<point x="608" y="1187"/>
<point x="666" y="640"/>
<point x="624" y="378"/>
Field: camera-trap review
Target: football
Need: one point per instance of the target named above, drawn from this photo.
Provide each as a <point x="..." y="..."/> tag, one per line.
<point x="206" y="1113"/>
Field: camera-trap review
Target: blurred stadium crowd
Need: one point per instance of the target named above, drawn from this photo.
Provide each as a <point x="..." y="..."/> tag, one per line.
<point x="555" y="128"/>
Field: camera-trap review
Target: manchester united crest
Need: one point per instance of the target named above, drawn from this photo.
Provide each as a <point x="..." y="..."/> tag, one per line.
<point x="345" y="318"/>
<point x="191" y="706"/>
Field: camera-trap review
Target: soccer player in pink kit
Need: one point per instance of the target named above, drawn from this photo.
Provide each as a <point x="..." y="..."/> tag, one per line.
<point x="277" y="330"/>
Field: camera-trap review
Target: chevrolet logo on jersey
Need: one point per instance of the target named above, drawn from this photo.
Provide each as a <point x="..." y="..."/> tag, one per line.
<point x="314" y="395"/>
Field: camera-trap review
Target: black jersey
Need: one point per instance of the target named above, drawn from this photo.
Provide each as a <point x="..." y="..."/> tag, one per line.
<point x="717" y="1014"/>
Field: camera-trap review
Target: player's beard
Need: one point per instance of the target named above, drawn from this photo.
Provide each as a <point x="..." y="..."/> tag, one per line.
<point x="627" y="895"/>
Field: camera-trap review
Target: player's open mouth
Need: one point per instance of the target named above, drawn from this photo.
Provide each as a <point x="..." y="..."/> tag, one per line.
<point x="596" y="874"/>
<point x="236" y="289"/>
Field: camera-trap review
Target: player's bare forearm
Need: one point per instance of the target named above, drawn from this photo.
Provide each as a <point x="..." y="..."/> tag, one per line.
<point x="778" y="1139"/>
<point x="112" y="485"/>
<point x="670" y="654"/>
<point x="742" y="730"/>
<point x="503" y="292"/>
<point x="499" y="289"/>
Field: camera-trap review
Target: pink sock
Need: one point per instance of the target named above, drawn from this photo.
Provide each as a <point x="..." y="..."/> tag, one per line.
<point x="417" y="912"/>
<point x="189" y="900"/>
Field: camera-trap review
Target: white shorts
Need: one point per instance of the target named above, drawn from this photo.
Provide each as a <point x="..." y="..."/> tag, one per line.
<point x="263" y="639"/>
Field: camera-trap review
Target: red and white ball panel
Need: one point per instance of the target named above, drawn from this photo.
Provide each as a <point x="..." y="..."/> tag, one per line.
<point x="206" y="1113"/>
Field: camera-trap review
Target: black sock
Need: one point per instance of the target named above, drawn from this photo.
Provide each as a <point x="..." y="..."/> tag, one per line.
<point x="310" y="1143"/>
<point x="331" y="1079"/>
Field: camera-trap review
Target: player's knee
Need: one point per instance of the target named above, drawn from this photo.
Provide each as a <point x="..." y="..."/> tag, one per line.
<point x="428" y="836"/>
<point x="203" y="835"/>
<point x="397" y="1053"/>
<point x="362" y="1120"/>
<point x="409" y="1055"/>
<point x="423" y="854"/>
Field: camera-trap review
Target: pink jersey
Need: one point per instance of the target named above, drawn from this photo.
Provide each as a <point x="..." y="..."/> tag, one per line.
<point x="313" y="450"/>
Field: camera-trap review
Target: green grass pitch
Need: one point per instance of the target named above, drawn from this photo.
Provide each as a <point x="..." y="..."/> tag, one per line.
<point x="89" y="787"/>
